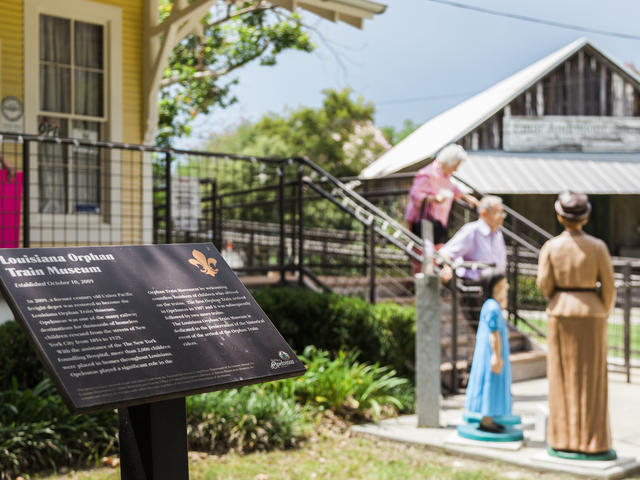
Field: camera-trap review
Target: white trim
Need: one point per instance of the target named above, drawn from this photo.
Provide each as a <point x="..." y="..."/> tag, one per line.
<point x="83" y="10"/>
<point x="111" y="19"/>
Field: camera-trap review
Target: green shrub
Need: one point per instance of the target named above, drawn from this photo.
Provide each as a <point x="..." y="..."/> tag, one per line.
<point x="383" y="333"/>
<point x="345" y="385"/>
<point x="244" y="420"/>
<point x="38" y="432"/>
<point x="18" y="359"/>
<point x="397" y="329"/>
<point x="326" y="320"/>
<point x="528" y="293"/>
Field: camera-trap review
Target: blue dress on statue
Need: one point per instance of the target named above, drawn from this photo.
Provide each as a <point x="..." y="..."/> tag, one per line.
<point x="489" y="394"/>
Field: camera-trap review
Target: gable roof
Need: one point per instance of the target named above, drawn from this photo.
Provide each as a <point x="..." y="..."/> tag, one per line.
<point x="456" y="122"/>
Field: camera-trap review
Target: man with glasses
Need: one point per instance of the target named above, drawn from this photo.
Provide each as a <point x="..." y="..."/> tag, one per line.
<point x="480" y="241"/>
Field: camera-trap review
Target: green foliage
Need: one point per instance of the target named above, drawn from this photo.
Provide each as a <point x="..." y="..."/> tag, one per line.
<point x="233" y="35"/>
<point x="339" y="136"/>
<point x="382" y="333"/>
<point x="329" y="321"/>
<point x="347" y="386"/>
<point x="528" y="293"/>
<point x="397" y="327"/>
<point x="396" y="136"/>
<point x="244" y="420"/>
<point x="17" y="359"/>
<point x="37" y="432"/>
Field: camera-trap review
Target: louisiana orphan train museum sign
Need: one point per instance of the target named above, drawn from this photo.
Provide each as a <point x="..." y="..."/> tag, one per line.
<point x="124" y="325"/>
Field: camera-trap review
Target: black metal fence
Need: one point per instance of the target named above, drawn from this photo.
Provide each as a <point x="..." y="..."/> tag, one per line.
<point x="283" y="218"/>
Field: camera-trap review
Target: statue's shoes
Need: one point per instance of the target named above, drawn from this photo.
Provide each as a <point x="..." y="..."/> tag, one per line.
<point x="492" y="427"/>
<point x="508" y="419"/>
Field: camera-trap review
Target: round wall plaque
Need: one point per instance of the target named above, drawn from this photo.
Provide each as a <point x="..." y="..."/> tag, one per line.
<point x="12" y="108"/>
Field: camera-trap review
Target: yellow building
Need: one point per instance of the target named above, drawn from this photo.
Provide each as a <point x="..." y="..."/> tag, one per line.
<point x="73" y="69"/>
<point x="91" y="71"/>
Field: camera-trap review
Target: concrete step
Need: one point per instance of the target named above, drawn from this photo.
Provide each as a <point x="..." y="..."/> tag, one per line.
<point x="528" y="365"/>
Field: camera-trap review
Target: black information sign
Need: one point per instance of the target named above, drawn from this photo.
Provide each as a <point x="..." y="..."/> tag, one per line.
<point x="124" y="325"/>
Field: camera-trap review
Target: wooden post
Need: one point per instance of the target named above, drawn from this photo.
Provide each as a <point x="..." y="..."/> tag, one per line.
<point x="603" y="89"/>
<point x="580" y="86"/>
<point x="539" y="99"/>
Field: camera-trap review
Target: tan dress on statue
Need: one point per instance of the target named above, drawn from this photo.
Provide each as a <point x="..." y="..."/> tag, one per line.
<point x="577" y="340"/>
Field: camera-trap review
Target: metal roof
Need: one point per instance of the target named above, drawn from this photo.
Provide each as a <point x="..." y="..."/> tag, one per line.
<point x="550" y="173"/>
<point x="456" y="122"/>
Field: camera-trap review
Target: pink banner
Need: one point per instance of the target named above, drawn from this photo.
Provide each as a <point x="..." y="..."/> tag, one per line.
<point x="10" y="200"/>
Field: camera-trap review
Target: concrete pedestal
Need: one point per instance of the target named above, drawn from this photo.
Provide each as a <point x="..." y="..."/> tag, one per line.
<point x="428" y="350"/>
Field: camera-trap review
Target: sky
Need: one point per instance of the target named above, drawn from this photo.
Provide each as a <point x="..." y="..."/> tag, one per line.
<point x="420" y="58"/>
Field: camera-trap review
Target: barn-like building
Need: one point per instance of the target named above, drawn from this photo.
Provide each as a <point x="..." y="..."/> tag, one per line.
<point x="569" y="121"/>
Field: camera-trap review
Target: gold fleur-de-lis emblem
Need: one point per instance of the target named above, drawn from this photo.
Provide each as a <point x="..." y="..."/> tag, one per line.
<point x="206" y="266"/>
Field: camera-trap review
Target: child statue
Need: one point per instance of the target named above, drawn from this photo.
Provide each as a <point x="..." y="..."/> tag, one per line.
<point x="489" y="388"/>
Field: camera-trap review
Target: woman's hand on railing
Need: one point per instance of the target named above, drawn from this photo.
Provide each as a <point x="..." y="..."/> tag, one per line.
<point x="446" y="274"/>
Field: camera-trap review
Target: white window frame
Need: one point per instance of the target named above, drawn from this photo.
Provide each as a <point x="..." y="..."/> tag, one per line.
<point x="92" y="228"/>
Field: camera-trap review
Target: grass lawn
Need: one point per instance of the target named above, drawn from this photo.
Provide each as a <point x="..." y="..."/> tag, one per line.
<point x="338" y="457"/>
<point x="615" y="336"/>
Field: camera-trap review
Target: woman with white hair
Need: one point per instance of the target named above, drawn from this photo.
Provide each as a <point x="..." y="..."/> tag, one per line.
<point x="432" y="193"/>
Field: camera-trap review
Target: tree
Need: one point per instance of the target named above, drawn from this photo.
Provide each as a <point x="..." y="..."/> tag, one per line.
<point x="229" y="36"/>
<point x="396" y="136"/>
<point x="339" y="136"/>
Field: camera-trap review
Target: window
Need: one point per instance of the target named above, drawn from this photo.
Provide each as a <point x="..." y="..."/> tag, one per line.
<point x="72" y="93"/>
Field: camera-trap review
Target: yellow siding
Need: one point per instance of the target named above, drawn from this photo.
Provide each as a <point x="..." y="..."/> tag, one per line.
<point x="132" y="18"/>
<point x="132" y="27"/>
<point x="12" y="83"/>
<point x="11" y="35"/>
<point x="12" y="70"/>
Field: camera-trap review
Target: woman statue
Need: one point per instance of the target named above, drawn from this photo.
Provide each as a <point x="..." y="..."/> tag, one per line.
<point x="569" y="267"/>
<point x="489" y="388"/>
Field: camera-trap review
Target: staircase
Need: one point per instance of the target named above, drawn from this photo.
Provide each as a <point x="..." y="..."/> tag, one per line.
<point x="293" y="220"/>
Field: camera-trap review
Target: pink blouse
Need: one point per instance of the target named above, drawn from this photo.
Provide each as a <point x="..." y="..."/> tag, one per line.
<point x="429" y="181"/>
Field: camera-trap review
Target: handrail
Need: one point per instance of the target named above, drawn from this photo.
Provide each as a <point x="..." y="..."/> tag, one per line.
<point x="367" y="222"/>
<point x="391" y="221"/>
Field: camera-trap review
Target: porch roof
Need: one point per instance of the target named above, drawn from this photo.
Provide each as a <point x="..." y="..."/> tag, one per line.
<point x="550" y="173"/>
